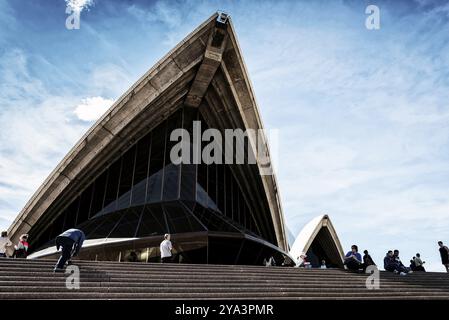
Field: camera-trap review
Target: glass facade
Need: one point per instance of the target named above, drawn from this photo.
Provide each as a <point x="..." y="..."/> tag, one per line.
<point x="143" y="194"/>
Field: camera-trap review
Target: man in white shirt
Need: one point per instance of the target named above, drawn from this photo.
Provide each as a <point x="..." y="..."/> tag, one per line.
<point x="419" y="263"/>
<point x="166" y="248"/>
<point x="4" y="242"/>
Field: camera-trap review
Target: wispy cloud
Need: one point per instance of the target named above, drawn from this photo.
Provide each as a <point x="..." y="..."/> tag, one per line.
<point x="79" y="5"/>
<point x="38" y="127"/>
<point x="92" y="108"/>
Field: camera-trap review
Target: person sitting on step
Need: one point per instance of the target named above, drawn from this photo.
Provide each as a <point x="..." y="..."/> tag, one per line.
<point x="399" y="262"/>
<point x="412" y="264"/>
<point x="353" y="259"/>
<point x="270" y="262"/>
<point x="419" y="263"/>
<point x="367" y="260"/>
<point x="392" y="265"/>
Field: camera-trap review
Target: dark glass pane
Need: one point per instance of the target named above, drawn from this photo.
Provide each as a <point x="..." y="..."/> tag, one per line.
<point x="213" y="221"/>
<point x="202" y="179"/>
<point x="57" y="226"/>
<point x="245" y="212"/>
<point x="180" y="220"/>
<point x="71" y="212"/>
<point x="85" y="203"/>
<point x="228" y="193"/>
<point x="128" y="224"/>
<point x="105" y="225"/>
<point x="190" y="205"/>
<point x="201" y="196"/>
<point x="188" y="182"/>
<point x="98" y="196"/>
<point x="152" y="222"/>
<point x="224" y="250"/>
<point x="154" y="187"/>
<point x="251" y="253"/>
<point x="235" y="203"/>
<point x="42" y="240"/>
<point x="252" y="226"/>
<point x="171" y="171"/>
<point x="126" y="179"/>
<point x="220" y="188"/>
<point x="188" y="171"/>
<point x="89" y="226"/>
<point x="194" y="252"/>
<point x="112" y="187"/>
<point x="212" y="185"/>
<point x="156" y="164"/>
<point x="41" y="245"/>
<point x="171" y="182"/>
<point x="189" y="116"/>
<point x="141" y="171"/>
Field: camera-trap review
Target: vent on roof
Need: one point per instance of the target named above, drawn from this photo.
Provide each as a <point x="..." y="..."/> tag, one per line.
<point x="222" y="19"/>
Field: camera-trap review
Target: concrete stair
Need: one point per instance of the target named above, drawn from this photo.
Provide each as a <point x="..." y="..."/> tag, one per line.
<point x="34" y="279"/>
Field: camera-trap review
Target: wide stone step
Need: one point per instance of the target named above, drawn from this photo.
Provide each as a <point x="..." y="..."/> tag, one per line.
<point x="217" y="276"/>
<point x="175" y="268"/>
<point x="261" y="285"/>
<point x="154" y="268"/>
<point x="268" y="285"/>
<point x="102" y="264"/>
<point x="232" y="295"/>
<point x="173" y="289"/>
<point x="34" y="279"/>
<point x="176" y="273"/>
<point x="341" y="273"/>
<point x="128" y="277"/>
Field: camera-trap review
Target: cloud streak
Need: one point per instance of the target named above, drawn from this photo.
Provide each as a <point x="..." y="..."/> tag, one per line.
<point x="92" y="108"/>
<point x="79" y="5"/>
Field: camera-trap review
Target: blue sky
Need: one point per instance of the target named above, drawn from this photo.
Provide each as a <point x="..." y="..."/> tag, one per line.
<point x="363" y="114"/>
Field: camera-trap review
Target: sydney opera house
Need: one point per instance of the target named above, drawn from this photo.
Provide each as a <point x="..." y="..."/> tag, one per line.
<point x="118" y="185"/>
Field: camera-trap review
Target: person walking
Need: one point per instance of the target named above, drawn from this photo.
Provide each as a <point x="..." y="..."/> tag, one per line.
<point x="71" y="242"/>
<point x="444" y="253"/>
<point x="166" y="248"/>
<point x="21" y="249"/>
<point x="4" y="242"/>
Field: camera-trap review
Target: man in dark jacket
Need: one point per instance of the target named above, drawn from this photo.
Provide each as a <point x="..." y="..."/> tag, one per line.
<point x="444" y="253"/>
<point x="389" y="262"/>
<point x="367" y="260"/>
<point x="71" y="242"/>
<point x="392" y="263"/>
